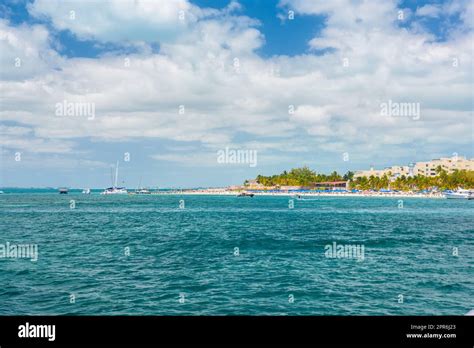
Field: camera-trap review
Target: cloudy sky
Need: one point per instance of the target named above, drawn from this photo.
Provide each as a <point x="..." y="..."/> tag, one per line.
<point x="167" y="84"/>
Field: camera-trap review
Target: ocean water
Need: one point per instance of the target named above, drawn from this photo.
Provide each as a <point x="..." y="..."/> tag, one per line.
<point x="185" y="261"/>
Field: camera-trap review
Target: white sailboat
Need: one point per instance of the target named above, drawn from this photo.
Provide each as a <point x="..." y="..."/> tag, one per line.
<point x="141" y="190"/>
<point x="115" y="190"/>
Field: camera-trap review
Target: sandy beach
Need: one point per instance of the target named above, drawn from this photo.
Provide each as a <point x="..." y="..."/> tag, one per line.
<point x="304" y="194"/>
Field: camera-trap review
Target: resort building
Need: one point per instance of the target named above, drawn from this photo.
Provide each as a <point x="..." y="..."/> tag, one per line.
<point x="393" y="171"/>
<point x="371" y="172"/>
<point x="449" y="164"/>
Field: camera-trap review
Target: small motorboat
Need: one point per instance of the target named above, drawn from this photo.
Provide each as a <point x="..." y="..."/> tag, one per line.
<point x="245" y="194"/>
<point x="460" y="194"/>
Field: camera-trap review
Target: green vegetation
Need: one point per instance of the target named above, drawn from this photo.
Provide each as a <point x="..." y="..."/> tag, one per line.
<point x="442" y="181"/>
<point x="300" y="177"/>
<point x="307" y="177"/>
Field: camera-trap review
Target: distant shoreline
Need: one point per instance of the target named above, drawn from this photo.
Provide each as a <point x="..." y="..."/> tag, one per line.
<point x="306" y="194"/>
<point x="226" y="192"/>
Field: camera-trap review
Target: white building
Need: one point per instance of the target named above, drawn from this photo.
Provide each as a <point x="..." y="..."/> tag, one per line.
<point x="449" y="164"/>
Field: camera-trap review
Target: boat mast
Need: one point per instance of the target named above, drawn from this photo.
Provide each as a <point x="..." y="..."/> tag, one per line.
<point x="116" y="174"/>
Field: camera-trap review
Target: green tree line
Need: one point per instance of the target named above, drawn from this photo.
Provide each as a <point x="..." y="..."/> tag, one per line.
<point x="300" y="177"/>
<point x="307" y="177"/>
<point x="442" y="181"/>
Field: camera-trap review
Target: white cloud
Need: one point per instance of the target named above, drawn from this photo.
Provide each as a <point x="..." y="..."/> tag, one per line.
<point x="26" y="51"/>
<point x="124" y="20"/>
<point x="36" y="145"/>
<point x="14" y="131"/>
<point x="429" y="10"/>
<point x="313" y="114"/>
<point x="161" y="21"/>
<point x="337" y="107"/>
<point x="345" y="15"/>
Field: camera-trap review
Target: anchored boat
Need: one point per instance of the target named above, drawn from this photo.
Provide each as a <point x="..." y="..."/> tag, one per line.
<point x="460" y="194"/>
<point x="142" y="191"/>
<point x="115" y="190"/>
<point x="245" y="194"/>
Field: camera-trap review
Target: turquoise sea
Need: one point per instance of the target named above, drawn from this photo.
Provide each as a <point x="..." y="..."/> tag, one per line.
<point x="143" y="255"/>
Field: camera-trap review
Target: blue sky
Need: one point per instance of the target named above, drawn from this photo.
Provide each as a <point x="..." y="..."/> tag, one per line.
<point x="298" y="91"/>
